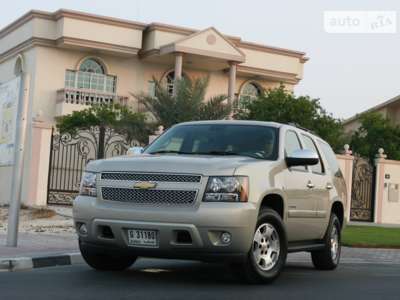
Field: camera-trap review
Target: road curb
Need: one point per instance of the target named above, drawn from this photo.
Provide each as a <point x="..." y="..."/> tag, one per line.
<point x="28" y="263"/>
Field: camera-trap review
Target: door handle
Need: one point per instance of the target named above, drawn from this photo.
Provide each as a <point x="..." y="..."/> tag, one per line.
<point x="329" y="186"/>
<point x="310" y="185"/>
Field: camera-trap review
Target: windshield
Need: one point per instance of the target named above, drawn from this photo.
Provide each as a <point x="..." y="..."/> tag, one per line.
<point x="219" y="139"/>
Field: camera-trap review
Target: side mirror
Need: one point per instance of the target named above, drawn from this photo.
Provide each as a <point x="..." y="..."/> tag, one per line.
<point x="302" y="157"/>
<point x="135" y="151"/>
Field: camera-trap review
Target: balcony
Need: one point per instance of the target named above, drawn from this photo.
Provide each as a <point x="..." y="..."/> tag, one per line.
<point x="69" y="99"/>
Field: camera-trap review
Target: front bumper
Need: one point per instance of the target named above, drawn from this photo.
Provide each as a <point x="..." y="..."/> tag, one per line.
<point x="204" y="223"/>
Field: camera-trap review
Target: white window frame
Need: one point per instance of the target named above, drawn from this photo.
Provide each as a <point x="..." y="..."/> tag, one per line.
<point x="105" y="77"/>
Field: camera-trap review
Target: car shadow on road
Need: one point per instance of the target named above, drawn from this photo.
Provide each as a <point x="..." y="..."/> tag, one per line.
<point x="175" y="272"/>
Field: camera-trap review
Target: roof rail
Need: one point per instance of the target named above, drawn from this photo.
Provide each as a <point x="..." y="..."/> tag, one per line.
<point x="302" y="128"/>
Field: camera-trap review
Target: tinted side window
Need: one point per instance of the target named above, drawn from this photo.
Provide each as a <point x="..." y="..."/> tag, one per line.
<point x="309" y="144"/>
<point x="331" y="158"/>
<point x="292" y="143"/>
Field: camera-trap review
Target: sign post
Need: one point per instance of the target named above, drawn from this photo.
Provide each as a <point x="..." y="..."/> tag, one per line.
<point x="13" y="98"/>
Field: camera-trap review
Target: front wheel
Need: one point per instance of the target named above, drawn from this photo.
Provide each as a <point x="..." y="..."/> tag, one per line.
<point x="105" y="262"/>
<point x="329" y="257"/>
<point x="267" y="255"/>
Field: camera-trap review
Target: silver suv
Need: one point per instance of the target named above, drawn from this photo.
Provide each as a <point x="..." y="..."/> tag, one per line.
<point x="241" y="192"/>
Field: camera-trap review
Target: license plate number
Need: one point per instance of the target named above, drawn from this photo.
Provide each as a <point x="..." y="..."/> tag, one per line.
<point x="142" y="238"/>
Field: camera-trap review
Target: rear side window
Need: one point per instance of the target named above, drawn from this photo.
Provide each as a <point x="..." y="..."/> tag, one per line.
<point x="331" y="158"/>
<point x="292" y="143"/>
<point x="309" y="144"/>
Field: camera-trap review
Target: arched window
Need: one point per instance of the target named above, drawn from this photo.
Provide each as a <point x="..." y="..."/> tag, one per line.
<point x="92" y="76"/>
<point x="250" y="91"/>
<point x="91" y="65"/>
<point x="169" y="81"/>
<point x="19" y="65"/>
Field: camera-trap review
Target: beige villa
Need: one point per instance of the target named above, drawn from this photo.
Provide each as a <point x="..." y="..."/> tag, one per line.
<point x="73" y="59"/>
<point x="386" y="207"/>
<point x="389" y="109"/>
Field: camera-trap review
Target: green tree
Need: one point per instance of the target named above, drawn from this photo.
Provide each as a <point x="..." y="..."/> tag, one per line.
<point x="279" y="105"/>
<point x="117" y="117"/>
<point x="188" y="103"/>
<point x="376" y="132"/>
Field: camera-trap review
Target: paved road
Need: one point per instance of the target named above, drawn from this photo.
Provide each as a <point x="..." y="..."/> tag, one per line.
<point x="164" y="279"/>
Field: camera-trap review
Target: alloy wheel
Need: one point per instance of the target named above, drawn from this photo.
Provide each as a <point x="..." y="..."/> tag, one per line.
<point x="334" y="243"/>
<point x="266" y="246"/>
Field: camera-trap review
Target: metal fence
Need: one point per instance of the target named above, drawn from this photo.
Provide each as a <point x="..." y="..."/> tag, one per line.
<point x="70" y="154"/>
<point x="362" y="191"/>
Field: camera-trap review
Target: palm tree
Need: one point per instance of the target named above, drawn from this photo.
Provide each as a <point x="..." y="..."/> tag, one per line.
<point x="187" y="104"/>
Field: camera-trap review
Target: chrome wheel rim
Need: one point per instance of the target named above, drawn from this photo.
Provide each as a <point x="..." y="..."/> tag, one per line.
<point x="334" y="243"/>
<point x="266" y="246"/>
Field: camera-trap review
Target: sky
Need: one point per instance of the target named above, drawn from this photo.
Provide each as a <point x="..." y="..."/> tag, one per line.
<point x="348" y="72"/>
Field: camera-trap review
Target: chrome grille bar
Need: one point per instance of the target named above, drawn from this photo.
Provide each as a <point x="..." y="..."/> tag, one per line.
<point x="150" y="197"/>
<point x="127" y="176"/>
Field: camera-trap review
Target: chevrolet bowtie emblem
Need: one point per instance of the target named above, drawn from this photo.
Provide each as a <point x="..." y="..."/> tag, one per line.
<point x="144" y="185"/>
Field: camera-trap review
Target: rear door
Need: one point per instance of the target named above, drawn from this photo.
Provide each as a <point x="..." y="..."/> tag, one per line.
<point x="320" y="182"/>
<point x="301" y="206"/>
<point x="336" y="185"/>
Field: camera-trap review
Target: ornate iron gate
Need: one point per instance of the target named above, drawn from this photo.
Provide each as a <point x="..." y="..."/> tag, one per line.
<point x="69" y="155"/>
<point x="362" y="191"/>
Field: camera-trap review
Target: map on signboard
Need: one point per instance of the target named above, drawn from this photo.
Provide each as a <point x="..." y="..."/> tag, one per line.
<point x="9" y="93"/>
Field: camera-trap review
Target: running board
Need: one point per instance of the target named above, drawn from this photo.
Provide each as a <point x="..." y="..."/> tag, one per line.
<point x="305" y="246"/>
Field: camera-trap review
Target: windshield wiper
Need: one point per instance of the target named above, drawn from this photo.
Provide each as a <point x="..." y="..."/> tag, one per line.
<point x="197" y="153"/>
<point x="215" y="152"/>
<point x="170" y="151"/>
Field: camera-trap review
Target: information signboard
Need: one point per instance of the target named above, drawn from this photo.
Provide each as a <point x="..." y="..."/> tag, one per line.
<point x="9" y="93"/>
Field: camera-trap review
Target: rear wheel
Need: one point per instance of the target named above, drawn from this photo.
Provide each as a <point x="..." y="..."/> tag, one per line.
<point x="329" y="257"/>
<point x="105" y="262"/>
<point x="267" y="255"/>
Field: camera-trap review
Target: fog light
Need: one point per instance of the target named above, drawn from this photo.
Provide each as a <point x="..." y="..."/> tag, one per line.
<point x="83" y="229"/>
<point x="226" y="238"/>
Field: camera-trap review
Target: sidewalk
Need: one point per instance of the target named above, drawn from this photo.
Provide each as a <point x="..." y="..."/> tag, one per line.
<point x="34" y="244"/>
<point x="42" y="232"/>
<point x="38" y="250"/>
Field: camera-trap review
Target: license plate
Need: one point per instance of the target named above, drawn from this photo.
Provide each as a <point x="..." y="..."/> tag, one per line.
<point x="142" y="238"/>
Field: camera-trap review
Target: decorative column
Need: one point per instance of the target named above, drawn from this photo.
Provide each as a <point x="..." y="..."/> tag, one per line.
<point x="178" y="68"/>
<point x="346" y="160"/>
<point x="232" y="82"/>
<point x="35" y="188"/>
<point x="379" y="184"/>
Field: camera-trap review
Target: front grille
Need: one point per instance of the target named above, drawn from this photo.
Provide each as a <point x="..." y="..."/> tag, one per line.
<point x="151" y="177"/>
<point x="151" y="197"/>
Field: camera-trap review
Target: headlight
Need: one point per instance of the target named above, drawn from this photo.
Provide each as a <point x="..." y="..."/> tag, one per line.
<point x="88" y="184"/>
<point x="227" y="189"/>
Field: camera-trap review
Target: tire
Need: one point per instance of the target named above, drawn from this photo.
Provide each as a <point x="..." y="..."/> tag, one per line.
<point x="105" y="262"/>
<point x="267" y="254"/>
<point x="329" y="257"/>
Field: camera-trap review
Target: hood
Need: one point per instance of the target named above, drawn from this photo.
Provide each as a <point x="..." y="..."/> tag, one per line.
<point x="171" y="163"/>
